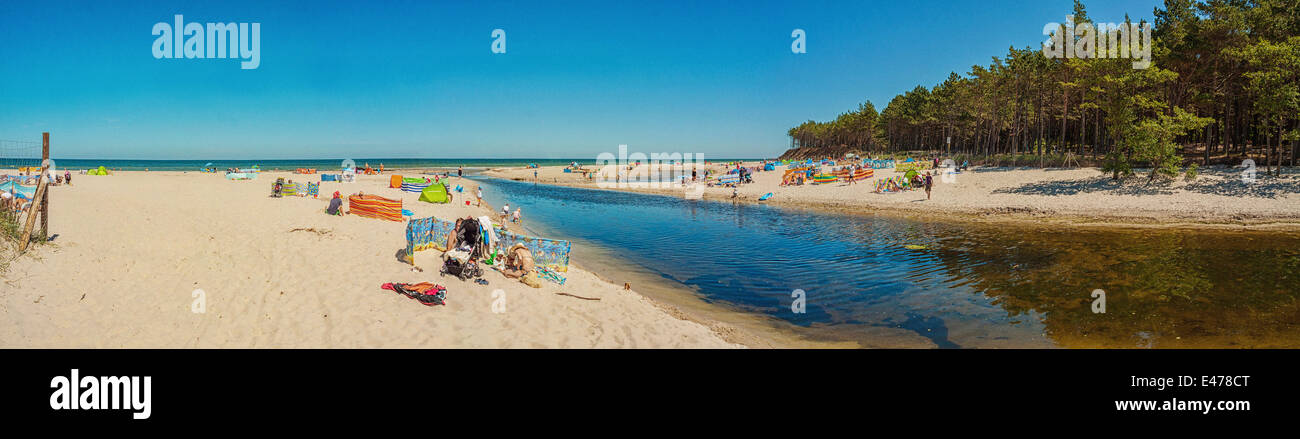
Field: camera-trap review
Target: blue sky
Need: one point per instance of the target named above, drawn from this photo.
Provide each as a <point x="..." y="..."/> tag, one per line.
<point x="418" y="79"/>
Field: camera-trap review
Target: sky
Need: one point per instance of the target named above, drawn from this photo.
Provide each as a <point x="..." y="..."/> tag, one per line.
<point x="418" y="79"/>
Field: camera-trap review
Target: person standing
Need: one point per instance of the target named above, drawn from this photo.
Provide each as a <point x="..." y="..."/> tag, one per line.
<point x="478" y="192"/>
<point x="929" y="183"/>
<point x="67" y="176"/>
<point x="460" y="171"/>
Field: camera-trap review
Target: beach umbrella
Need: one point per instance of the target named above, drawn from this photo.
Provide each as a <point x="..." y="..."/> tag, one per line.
<point x="209" y="164"/>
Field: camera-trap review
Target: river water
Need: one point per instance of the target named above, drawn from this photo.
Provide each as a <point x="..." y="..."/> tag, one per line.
<point x="883" y="281"/>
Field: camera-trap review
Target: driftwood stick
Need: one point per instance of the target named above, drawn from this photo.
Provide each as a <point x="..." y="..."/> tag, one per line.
<point x="580" y="297"/>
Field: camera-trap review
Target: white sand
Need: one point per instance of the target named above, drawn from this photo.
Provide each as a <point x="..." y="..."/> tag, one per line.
<point x="132" y="248"/>
<point x="1078" y="196"/>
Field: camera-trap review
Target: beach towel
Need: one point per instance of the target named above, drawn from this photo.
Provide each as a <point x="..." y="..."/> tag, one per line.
<point x="551" y="275"/>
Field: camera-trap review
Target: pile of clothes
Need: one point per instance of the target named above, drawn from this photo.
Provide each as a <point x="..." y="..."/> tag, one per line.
<point x="426" y="293"/>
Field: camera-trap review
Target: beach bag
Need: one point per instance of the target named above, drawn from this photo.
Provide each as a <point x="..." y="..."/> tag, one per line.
<point x="530" y="279"/>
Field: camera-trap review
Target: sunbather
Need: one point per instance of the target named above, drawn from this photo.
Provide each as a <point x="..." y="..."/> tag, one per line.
<point x="519" y="265"/>
<point x="336" y="205"/>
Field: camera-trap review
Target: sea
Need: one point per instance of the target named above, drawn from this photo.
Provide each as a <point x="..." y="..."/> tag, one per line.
<point x="319" y="164"/>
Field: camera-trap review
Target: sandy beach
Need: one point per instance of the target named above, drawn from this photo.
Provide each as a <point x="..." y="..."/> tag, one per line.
<point x="130" y="250"/>
<point x="1217" y="198"/>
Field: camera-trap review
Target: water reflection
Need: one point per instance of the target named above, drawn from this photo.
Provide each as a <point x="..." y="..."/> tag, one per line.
<point x="884" y="281"/>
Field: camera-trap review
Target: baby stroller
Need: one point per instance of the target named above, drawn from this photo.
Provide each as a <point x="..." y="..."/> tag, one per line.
<point x="460" y="263"/>
<point x="466" y="246"/>
<point x="463" y="270"/>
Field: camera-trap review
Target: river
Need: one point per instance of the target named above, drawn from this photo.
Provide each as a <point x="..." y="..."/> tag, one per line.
<point x="883" y="281"/>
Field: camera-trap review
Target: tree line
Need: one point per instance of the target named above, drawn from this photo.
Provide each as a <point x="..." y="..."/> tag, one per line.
<point x="1223" y="86"/>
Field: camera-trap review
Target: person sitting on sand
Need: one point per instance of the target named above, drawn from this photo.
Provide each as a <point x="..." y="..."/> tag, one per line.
<point x="519" y="265"/>
<point x="336" y="205"/>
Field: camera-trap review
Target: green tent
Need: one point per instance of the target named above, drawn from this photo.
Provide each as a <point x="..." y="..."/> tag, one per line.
<point x="435" y="193"/>
<point x="100" y="171"/>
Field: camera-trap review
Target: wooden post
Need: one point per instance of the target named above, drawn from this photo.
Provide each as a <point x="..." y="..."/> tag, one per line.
<point x="40" y="197"/>
<point x="45" y="198"/>
<point x="31" y="216"/>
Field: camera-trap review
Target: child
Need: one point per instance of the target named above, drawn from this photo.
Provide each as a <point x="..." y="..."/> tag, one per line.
<point x="516" y="219"/>
<point x="929" y="182"/>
